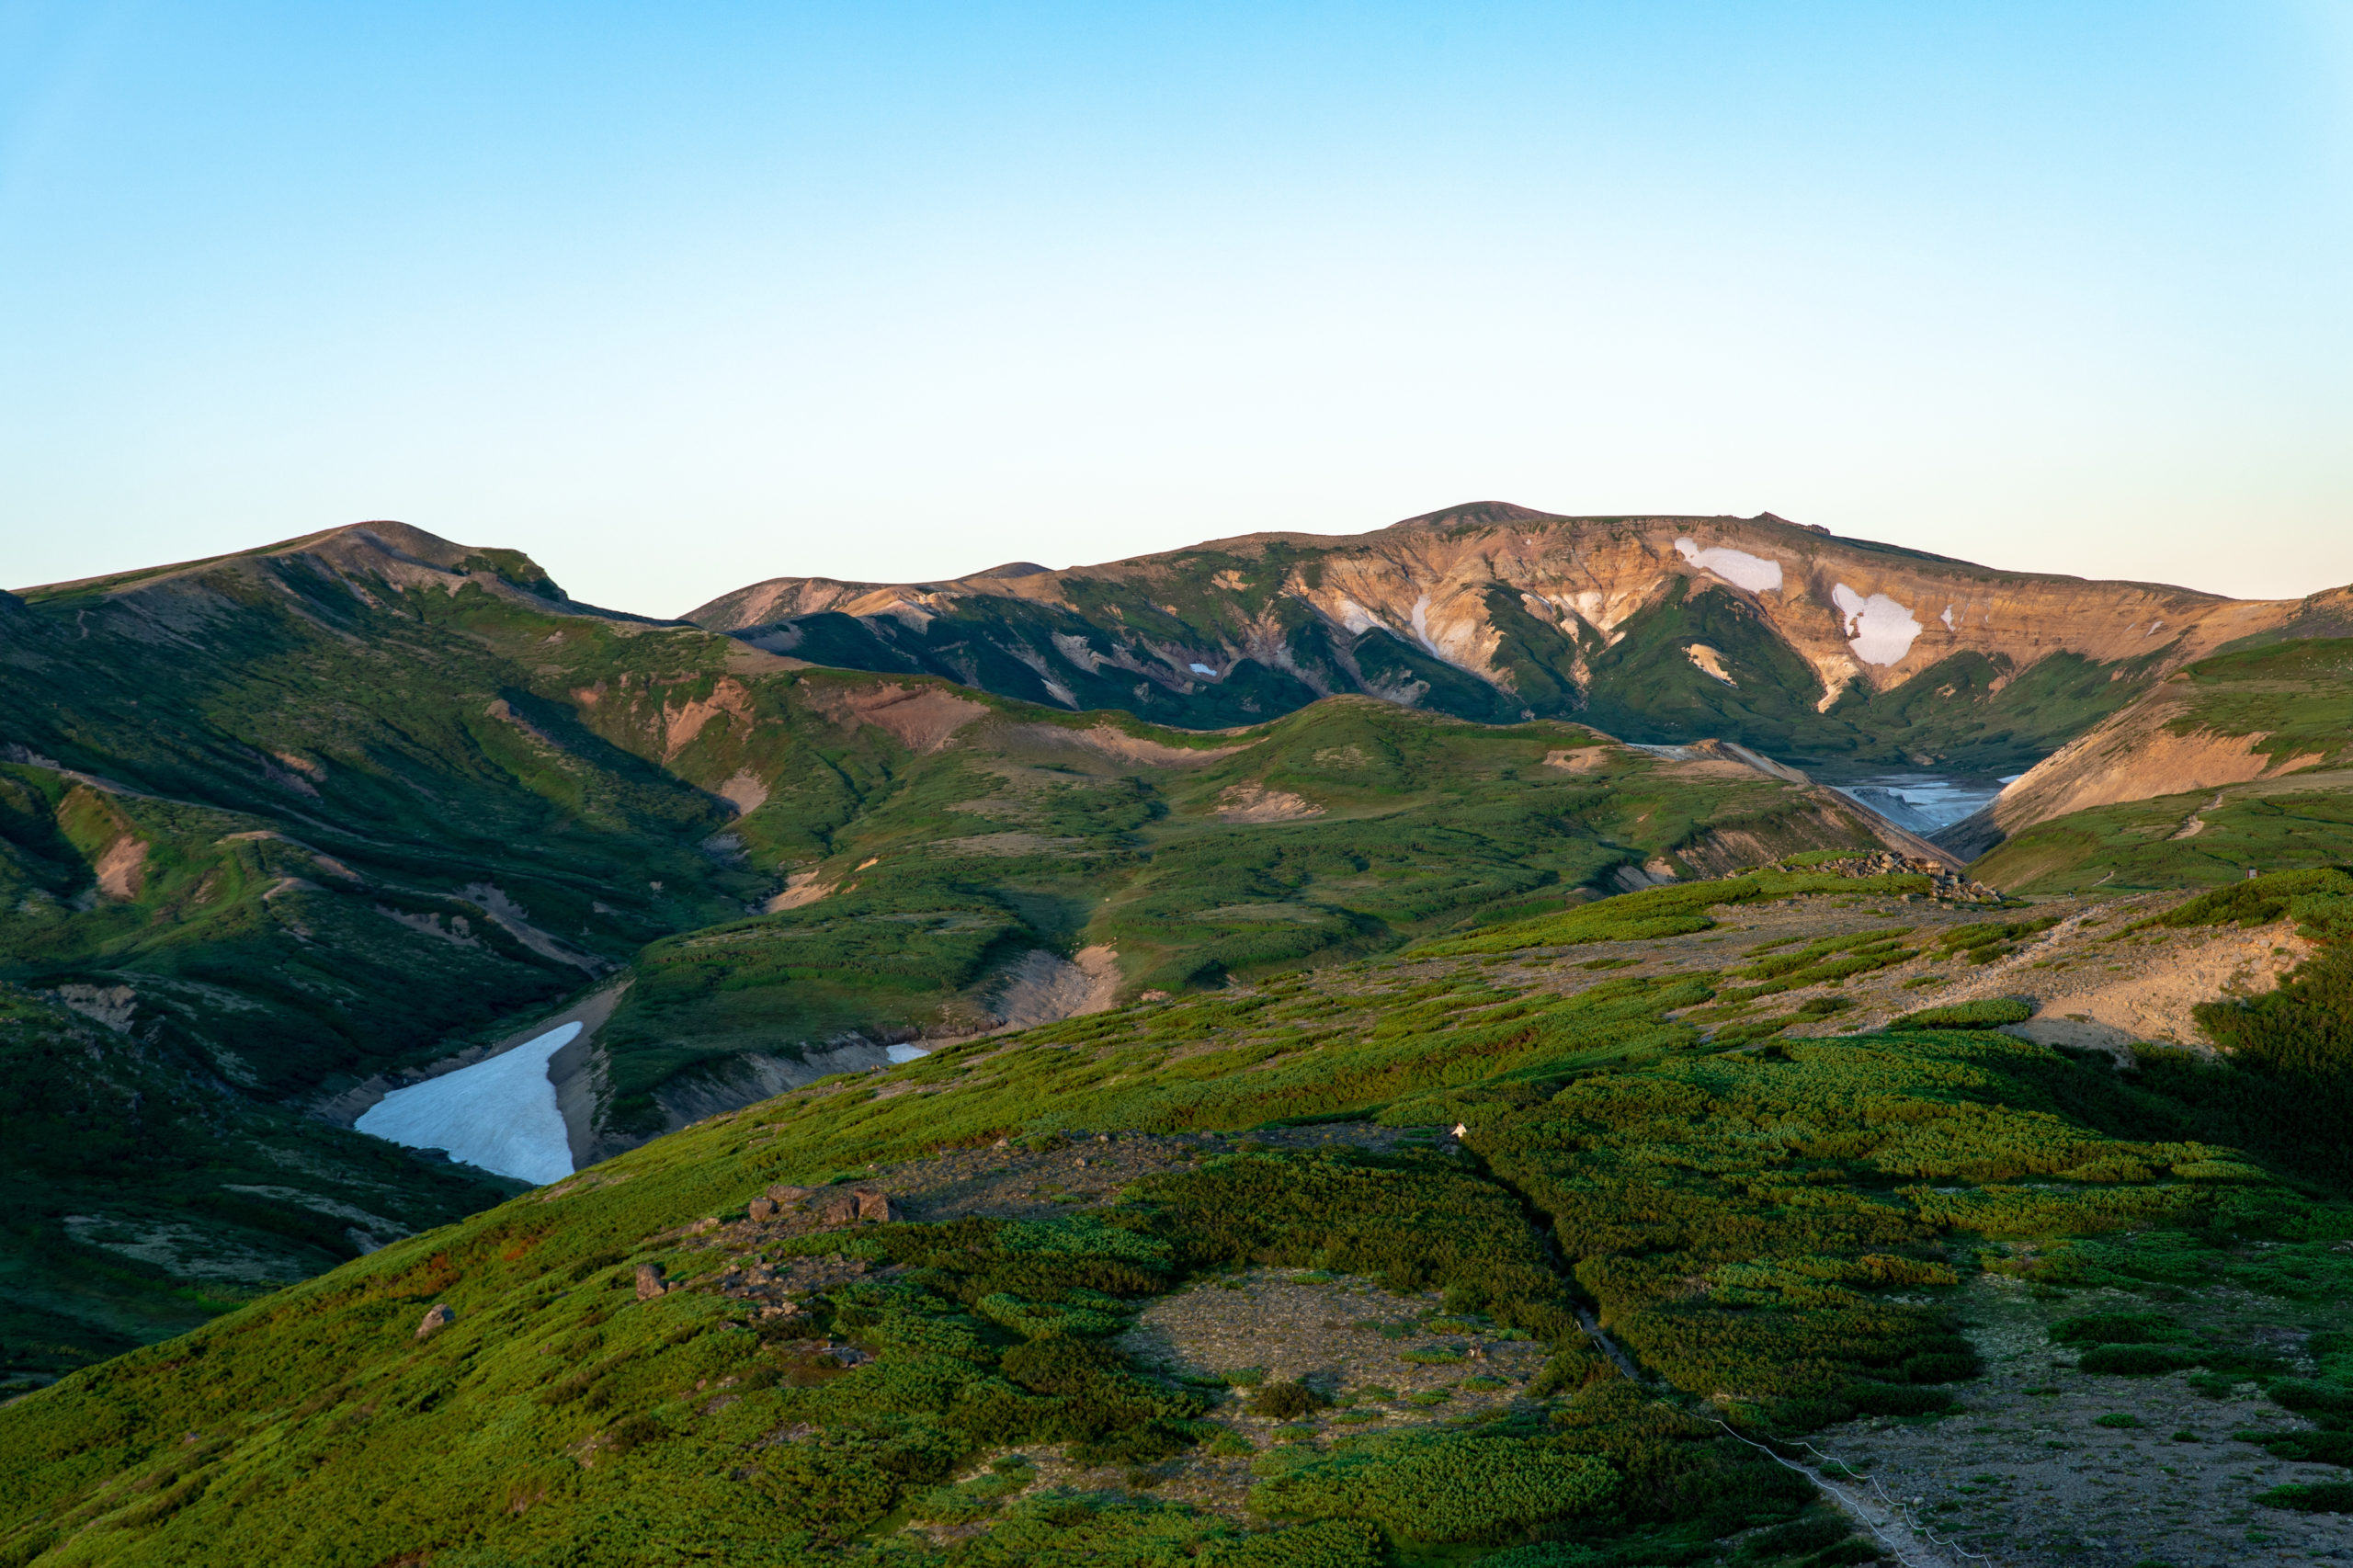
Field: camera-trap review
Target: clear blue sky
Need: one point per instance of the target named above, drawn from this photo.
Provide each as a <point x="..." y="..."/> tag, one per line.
<point x="678" y="296"/>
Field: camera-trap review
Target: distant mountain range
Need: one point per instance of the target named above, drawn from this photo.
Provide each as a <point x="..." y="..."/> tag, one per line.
<point x="1821" y="651"/>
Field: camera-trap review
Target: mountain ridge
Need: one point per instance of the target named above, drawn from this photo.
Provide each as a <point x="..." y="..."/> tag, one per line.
<point x="1491" y="610"/>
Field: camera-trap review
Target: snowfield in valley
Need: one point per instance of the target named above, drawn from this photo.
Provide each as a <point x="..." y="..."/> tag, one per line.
<point x="500" y="1114"/>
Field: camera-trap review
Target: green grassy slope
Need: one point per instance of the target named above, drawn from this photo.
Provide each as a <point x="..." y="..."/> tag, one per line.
<point x="282" y="829"/>
<point x="1773" y="1233"/>
<point x="1019" y="836"/>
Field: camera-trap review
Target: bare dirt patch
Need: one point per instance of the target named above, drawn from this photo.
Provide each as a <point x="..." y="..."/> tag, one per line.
<point x="2141" y="987"/>
<point x="922" y="719"/>
<point x="516" y="921"/>
<point x="1257" y="804"/>
<point x="744" y="791"/>
<point x="1297" y="1325"/>
<point x="801" y="889"/>
<point x="1044" y="987"/>
<point x="1107" y="740"/>
<point x="681" y="724"/>
<point x="122" y="869"/>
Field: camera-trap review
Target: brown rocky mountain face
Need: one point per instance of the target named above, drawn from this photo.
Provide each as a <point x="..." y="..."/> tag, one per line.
<point x="2268" y="715"/>
<point x="1662" y="629"/>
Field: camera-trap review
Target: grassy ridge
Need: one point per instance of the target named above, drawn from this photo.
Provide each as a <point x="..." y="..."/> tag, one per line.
<point x="1767" y="1229"/>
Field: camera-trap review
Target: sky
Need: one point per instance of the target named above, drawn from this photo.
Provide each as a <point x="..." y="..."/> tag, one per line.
<point x="677" y="298"/>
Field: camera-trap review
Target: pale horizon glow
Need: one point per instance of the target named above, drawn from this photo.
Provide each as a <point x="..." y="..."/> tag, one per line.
<point x="676" y="300"/>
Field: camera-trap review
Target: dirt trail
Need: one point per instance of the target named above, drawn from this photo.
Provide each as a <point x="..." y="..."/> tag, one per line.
<point x="2195" y="822"/>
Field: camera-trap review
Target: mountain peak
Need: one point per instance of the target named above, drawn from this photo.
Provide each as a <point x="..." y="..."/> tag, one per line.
<point x="1784" y="522"/>
<point x="1474" y="514"/>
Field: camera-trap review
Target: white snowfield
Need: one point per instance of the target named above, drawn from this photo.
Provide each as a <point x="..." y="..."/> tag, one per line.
<point x="499" y="1114"/>
<point x="1879" y="631"/>
<point x="901" y="1055"/>
<point x="1737" y="567"/>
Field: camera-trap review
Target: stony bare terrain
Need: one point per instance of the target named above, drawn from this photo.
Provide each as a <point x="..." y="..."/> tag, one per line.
<point x="2025" y="1472"/>
<point x="2092" y="983"/>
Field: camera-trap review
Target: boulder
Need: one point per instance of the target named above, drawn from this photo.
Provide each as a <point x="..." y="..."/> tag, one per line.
<point x="437" y="1318"/>
<point x="849" y="1205"/>
<point x="835" y="1206"/>
<point x="649" y="1281"/>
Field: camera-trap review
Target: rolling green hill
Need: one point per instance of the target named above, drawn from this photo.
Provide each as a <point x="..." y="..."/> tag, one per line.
<point x="1702" y="1245"/>
<point x="1335" y="1145"/>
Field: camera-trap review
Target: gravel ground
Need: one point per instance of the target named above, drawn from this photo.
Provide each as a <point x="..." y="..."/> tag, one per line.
<point x="2025" y="1475"/>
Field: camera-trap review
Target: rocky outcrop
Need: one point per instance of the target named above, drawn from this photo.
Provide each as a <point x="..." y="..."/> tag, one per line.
<point x="824" y="1206"/>
<point x="436" y="1319"/>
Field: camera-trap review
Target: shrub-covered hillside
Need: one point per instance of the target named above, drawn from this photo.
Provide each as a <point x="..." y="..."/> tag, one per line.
<point x="288" y="828"/>
<point x="691" y="1354"/>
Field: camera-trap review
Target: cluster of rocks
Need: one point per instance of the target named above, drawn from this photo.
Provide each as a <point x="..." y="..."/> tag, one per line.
<point x="827" y="1206"/>
<point x="1949" y="886"/>
<point x="768" y="1289"/>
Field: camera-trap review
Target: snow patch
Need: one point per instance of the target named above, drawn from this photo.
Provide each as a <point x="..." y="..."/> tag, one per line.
<point x="1200" y="669"/>
<point x="1358" y="620"/>
<point x="1947" y="619"/>
<point x="500" y="1114"/>
<point x="901" y="1055"/>
<point x="1422" y="623"/>
<point x="1737" y="567"/>
<point x="1879" y="631"/>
